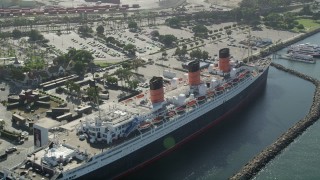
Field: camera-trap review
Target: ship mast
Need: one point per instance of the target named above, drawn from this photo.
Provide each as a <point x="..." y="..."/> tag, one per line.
<point x="249" y="46"/>
<point x="97" y="99"/>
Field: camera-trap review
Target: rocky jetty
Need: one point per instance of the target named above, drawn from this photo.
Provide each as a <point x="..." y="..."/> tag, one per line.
<point x="259" y="161"/>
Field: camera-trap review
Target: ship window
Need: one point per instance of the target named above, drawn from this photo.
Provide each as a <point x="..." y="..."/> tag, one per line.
<point x="93" y="134"/>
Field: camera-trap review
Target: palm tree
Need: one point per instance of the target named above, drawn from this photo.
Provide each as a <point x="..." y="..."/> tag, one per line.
<point x="93" y="93"/>
<point x="136" y="63"/>
<point x="2" y="123"/>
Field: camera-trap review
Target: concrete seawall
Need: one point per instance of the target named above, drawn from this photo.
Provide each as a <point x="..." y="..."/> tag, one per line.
<point x="259" y="161"/>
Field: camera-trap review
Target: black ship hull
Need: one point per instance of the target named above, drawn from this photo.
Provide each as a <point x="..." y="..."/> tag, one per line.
<point x="159" y="148"/>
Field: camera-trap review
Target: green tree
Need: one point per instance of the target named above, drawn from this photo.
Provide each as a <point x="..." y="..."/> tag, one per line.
<point x="16" y="34"/>
<point x="306" y="10"/>
<point x="85" y="30"/>
<point x="35" y="35"/>
<point x="167" y="39"/>
<point x="112" y="80"/>
<point x="111" y="39"/>
<point x="177" y="52"/>
<point x="61" y="60"/>
<point x="126" y="65"/>
<point x="300" y="26"/>
<point x="123" y="74"/>
<point x="173" y="22"/>
<point x="132" y="25"/>
<point x="93" y="93"/>
<point x="229" y="32"/>
<point x="130" y="48"/>
<point x="200" y="31"/>
<point x="2" y="123"/>
<point x="79" y="67"/>
<point x="155" y="33"/>
<point x="133" y="84"/>
<point x="205" y="55"/>
<point x="100" y="29"/>
<point x="136" y="63"/>
<point x="196" y="54"/>
<point x="17" y="74"/>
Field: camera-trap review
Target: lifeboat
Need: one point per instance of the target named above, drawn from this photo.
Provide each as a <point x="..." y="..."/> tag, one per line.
<point x="140" y="96"/>
<point x="219" y="89"/>
<point x="157" y="120"/>
<point x="171" y="114"/>
<point x="180" y="109"/>
<point x="201" y="99"/>
<point x="241" y="76"/>
<point x="191" y="103"/>
<point x="227" y="85"/>
<point x="210" y="94"/>
<point x="235" y="80"/>
<point x="144" y="126"/>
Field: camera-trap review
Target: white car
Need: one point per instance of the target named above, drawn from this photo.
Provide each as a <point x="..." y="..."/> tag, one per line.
<point x="82" y="137"/>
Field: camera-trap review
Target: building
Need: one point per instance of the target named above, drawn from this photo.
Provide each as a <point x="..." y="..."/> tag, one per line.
<point x="41" y="131"/>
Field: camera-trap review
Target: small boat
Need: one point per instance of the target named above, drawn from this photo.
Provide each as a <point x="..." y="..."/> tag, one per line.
<point x="227" y="85"/>
<point x="299" y="57"/>
<point x="191" y="103"/>
<point x="171" y="114"/>
<point x="144" y="125"/>
<point x="219" y="89"/>
<point x="235" y="81"/>
<point x="157" y="120"/>
<point x="210" y="93"/>
<point x="181" y="109"/>
<point x="201" y="99"/>
<point x="305" y="49"/>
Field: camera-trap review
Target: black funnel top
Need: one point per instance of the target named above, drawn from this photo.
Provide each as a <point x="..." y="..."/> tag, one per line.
<point x="224" y="53"/>
<point x="194" y="66"/>
<point x="156" y="83"/>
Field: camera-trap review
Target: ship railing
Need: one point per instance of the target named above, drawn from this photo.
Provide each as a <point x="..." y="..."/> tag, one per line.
<point x="55" y="176"/>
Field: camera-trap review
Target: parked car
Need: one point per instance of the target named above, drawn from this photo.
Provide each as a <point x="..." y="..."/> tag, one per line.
<point x="11" y="150"/>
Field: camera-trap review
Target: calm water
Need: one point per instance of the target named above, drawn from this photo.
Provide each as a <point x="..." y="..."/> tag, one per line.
<point x="224" y="149"/>
<point x="301" y="159"/>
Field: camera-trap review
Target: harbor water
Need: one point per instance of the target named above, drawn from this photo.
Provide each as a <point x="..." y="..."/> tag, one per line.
<point x="301" y="159"/>
<point x="224" y="149"/>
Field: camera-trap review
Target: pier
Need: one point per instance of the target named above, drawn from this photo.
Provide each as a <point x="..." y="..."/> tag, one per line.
<point x="259" y="161"/>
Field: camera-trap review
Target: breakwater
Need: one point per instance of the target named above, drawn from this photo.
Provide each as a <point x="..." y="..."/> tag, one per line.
<point x="259" y="161"/>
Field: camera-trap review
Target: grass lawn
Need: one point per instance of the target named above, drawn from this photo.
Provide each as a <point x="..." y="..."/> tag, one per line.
<point x="309" y="24"/>
<point x="103" y="64"/>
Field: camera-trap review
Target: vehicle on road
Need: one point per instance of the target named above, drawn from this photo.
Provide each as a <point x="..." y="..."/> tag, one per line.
<point x="11" y="150"/>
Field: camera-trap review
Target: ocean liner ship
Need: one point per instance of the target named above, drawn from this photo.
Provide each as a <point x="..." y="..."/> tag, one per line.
<point x="126" y="135"/>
